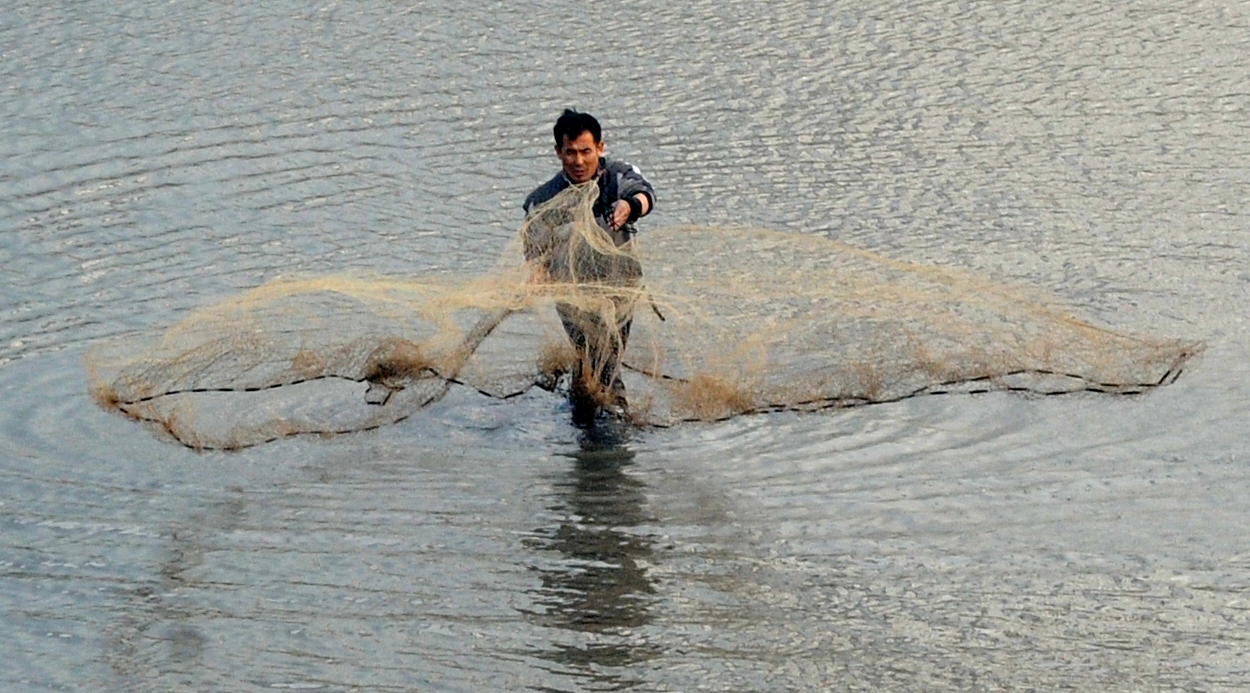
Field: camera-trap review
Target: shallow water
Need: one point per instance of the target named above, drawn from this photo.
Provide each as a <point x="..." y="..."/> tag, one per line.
<point x="159" y="155"/>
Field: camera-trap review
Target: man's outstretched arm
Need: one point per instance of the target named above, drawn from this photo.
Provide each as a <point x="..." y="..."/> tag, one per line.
<point x="625" y="211"/>
<point x="637" y="197"/>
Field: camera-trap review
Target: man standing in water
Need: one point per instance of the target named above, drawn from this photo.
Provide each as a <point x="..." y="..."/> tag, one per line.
<point x="624" y="197"/>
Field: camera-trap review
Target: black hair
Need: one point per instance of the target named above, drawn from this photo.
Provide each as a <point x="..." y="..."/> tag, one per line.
<point x="572" y="124"/>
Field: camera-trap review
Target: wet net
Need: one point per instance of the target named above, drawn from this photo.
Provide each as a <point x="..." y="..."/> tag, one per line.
<point x="686" y="323"/>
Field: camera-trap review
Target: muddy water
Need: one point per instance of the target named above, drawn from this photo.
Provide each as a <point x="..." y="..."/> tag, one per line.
<point x="158" y="155"/>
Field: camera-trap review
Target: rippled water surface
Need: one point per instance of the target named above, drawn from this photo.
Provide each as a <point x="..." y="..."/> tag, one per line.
<point x="158" y="155"/>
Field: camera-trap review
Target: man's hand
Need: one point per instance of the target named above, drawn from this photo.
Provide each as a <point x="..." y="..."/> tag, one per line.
<point x="621" y="212"/>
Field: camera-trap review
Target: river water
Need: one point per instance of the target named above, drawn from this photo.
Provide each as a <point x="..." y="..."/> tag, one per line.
<point x="158" y="155"/>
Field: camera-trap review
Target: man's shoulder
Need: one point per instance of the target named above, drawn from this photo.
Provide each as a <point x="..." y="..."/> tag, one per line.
<point x="627" y="180"/>
<point x="546" y="191"/>
<point x="618" y="166"/>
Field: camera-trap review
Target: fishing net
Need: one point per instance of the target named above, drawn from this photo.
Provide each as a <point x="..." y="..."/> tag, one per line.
<point x="694" y="323"/>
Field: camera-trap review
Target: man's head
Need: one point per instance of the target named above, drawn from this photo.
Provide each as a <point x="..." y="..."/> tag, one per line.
<point x="579" y="144"/>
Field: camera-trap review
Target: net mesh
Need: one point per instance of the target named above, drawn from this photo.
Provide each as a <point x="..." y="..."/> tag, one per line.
<point x="715" y="322"/>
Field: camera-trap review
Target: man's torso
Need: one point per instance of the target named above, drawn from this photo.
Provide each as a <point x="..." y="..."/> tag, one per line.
<point x="617" y="180"/>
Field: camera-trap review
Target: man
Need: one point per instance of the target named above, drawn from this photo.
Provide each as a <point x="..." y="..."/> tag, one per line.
<point x="624" y="197"/>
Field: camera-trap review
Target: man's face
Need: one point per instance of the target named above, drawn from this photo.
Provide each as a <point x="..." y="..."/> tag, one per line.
<point x="580" y="156"/>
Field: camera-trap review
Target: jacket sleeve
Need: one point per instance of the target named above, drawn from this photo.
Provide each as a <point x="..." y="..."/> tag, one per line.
<point x="630" y="182"/>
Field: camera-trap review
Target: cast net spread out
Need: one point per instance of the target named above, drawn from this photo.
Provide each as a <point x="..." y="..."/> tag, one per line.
<point x="725" y="321"/>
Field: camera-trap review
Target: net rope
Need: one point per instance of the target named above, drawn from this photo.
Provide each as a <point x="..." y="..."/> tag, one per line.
<point x="720" y="322"/>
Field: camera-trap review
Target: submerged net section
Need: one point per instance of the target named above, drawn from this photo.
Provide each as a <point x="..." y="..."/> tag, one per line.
<point x="714" y="322"/>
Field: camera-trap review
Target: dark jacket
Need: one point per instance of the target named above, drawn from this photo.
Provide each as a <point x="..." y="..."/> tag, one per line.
<point x="617" y="181"/>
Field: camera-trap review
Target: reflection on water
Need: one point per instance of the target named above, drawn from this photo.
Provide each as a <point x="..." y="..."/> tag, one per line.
<point x="599" y="585"/>
<point x="164" y="631"/>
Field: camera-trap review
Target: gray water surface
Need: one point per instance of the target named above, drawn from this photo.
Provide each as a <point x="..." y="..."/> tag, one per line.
<point x="158" y="155"/>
